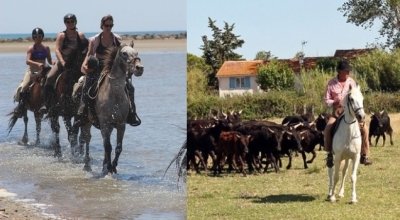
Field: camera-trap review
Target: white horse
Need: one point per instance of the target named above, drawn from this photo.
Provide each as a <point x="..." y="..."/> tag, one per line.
<point x="346" y="144"/>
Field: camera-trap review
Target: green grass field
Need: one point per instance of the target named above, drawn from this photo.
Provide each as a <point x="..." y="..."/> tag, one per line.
<point x="299" y="193"/>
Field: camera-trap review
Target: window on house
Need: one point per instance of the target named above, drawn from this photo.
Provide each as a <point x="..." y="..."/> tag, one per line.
<point x="239" y="83"/>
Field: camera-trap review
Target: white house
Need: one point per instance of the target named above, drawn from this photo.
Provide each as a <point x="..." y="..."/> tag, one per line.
<point x="238" y="78"/>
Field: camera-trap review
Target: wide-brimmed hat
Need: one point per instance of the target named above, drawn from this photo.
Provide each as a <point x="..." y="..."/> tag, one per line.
<point x="344" y="65"/>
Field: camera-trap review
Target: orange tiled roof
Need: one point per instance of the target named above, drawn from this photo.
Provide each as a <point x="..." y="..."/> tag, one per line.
<point x="238" y="68"/>
<point x="349" y="54"/>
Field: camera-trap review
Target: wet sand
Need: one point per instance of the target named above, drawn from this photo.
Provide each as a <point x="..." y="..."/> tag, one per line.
<point x="12" y="209"/>
<point x="142" y="46"/>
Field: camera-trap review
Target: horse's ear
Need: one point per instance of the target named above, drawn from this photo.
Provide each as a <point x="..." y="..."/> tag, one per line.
<point x="131" y="44"/>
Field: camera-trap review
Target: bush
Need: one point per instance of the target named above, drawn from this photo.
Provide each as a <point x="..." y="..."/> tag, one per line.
<point x="276" y="76"/>
<point x="381" y="69"/>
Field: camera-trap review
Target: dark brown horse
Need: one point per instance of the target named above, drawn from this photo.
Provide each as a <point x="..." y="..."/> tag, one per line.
<point x="63" y="104"/>
<point x="33" y="103"/>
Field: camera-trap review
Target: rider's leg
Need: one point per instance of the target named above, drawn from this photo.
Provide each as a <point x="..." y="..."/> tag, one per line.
<point x="82" y="116"/>
<point x="49" y="88"/>
<point x="328" y="141"/>
<point x="132" y="120"/>
<point x="364" y="145"/>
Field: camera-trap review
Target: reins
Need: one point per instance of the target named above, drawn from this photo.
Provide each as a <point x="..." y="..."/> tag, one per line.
<point x="348" y="107"/>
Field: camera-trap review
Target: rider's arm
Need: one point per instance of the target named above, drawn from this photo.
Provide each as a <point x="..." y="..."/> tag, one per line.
<point x="49" y="59"/>
<point x="28" y="58"/>
<point x="59" y="44"/>
<point x="328" y="99"/>
<point x="84" y="68"/>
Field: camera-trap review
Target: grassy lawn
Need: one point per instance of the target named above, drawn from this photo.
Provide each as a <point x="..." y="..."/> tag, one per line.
<point x="299" y="193"/>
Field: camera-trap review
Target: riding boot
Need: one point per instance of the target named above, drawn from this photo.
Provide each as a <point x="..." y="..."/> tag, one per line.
<point x="48" y="95"/>
<point x="82" y="116"/>
<point x="131" y="119"/>
<point x="365" y="160"/>
<point x="329" y="160"/>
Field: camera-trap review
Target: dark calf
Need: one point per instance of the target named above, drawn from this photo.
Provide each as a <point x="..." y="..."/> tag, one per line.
<point x="379" y="125"/>
<point x="232" y="144"/>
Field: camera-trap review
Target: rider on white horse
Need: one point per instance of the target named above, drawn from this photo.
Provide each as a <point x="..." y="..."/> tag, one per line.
<point x="336" y="90"/>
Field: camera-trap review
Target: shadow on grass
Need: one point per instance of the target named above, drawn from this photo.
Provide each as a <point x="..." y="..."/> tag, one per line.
<point x="282" y="198"/>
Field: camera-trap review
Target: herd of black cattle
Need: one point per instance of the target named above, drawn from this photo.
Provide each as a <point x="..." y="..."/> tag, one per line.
<point x="226" y="138"/>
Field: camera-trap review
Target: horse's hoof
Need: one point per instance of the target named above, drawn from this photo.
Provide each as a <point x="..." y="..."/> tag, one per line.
<point x="87" y="168"/>
<point x="331" y="198"/>
<point x="341" y="195"/>
<point x="354" y="201"/>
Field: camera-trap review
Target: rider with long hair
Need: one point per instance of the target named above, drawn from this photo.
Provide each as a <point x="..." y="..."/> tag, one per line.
<point x="66" y="42"/>
<point x="36" y="57"/>
<point x="93" y="65"/>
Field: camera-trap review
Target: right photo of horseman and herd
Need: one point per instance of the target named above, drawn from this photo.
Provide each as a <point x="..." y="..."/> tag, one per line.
<point x="291" y="122"/>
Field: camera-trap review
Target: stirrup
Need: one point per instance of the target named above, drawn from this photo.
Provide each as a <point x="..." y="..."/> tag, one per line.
<point x="43" y="109"/>
<point x="132" y="120"/>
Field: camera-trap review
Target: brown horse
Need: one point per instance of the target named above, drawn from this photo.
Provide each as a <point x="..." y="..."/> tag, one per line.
<point x="112" y="102"/>
<point x="33" y="103"/>
<point x="63" y="104"/>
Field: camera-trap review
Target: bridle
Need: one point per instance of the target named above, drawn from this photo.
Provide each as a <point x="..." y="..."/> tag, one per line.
<point x="130" y="62"/>
<point x="350" y="100"/>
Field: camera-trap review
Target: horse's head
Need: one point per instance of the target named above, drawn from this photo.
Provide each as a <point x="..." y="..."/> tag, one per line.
<point x="354" y="102"/>
<point x="135" y="65"/>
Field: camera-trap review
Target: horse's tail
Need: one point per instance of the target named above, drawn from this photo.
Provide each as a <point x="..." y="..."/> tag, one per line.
<point x="13" y="120"/>
<point x="180" y="162"/>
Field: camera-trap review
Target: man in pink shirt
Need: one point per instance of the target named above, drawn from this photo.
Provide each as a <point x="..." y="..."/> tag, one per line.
<point x="336" y="89"/>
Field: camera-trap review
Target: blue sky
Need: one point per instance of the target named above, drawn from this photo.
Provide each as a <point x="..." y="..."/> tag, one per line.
<point x="278" y="26"/>
<point x="22" y="16"/>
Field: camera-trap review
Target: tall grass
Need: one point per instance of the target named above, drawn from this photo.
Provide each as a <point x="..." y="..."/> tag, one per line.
<point x="310" y="88"/>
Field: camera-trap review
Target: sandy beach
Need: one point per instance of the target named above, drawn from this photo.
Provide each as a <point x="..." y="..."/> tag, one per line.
<point x="12" y="209"/>
<point x="142" y="46"/>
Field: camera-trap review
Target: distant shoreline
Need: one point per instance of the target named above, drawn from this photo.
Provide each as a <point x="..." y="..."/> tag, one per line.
<point x="144" y="45"/>
<point x="181" y="35"/>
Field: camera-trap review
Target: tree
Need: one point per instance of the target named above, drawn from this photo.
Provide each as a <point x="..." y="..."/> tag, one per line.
<point x="264" y="55"/>
<point x="365" y="12"/>
<point x="275" y="75"/>
<point x="299" y="54"/>
<point x="220" y="49"/>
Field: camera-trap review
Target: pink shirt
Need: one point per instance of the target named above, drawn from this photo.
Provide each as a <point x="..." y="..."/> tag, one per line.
<point x="335" y="90"/>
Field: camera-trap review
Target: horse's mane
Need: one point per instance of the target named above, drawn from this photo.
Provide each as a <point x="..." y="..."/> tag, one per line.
<point x="109" y="58"/>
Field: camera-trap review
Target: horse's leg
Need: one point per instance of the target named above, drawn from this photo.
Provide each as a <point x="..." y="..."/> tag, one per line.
<point x="356" y="162"/>
<point x="55" y="127"/>
<point x="331" y="193"/>
<point x="335" y="178"/>
<point x="85" y="132"/>
<point x="384" y="139"/>
<point x="25" y="137"/>
<point x="38" y="119"/>
<point x="72" y="134"/>
<point x="344" y="173"/>
<point x="118" y="148"/>
<point x="106" y="133"/>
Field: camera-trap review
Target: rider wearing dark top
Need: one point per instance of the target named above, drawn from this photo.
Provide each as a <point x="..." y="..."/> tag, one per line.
<point x="67" y="41"/>
<point x="93" y="65"/>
